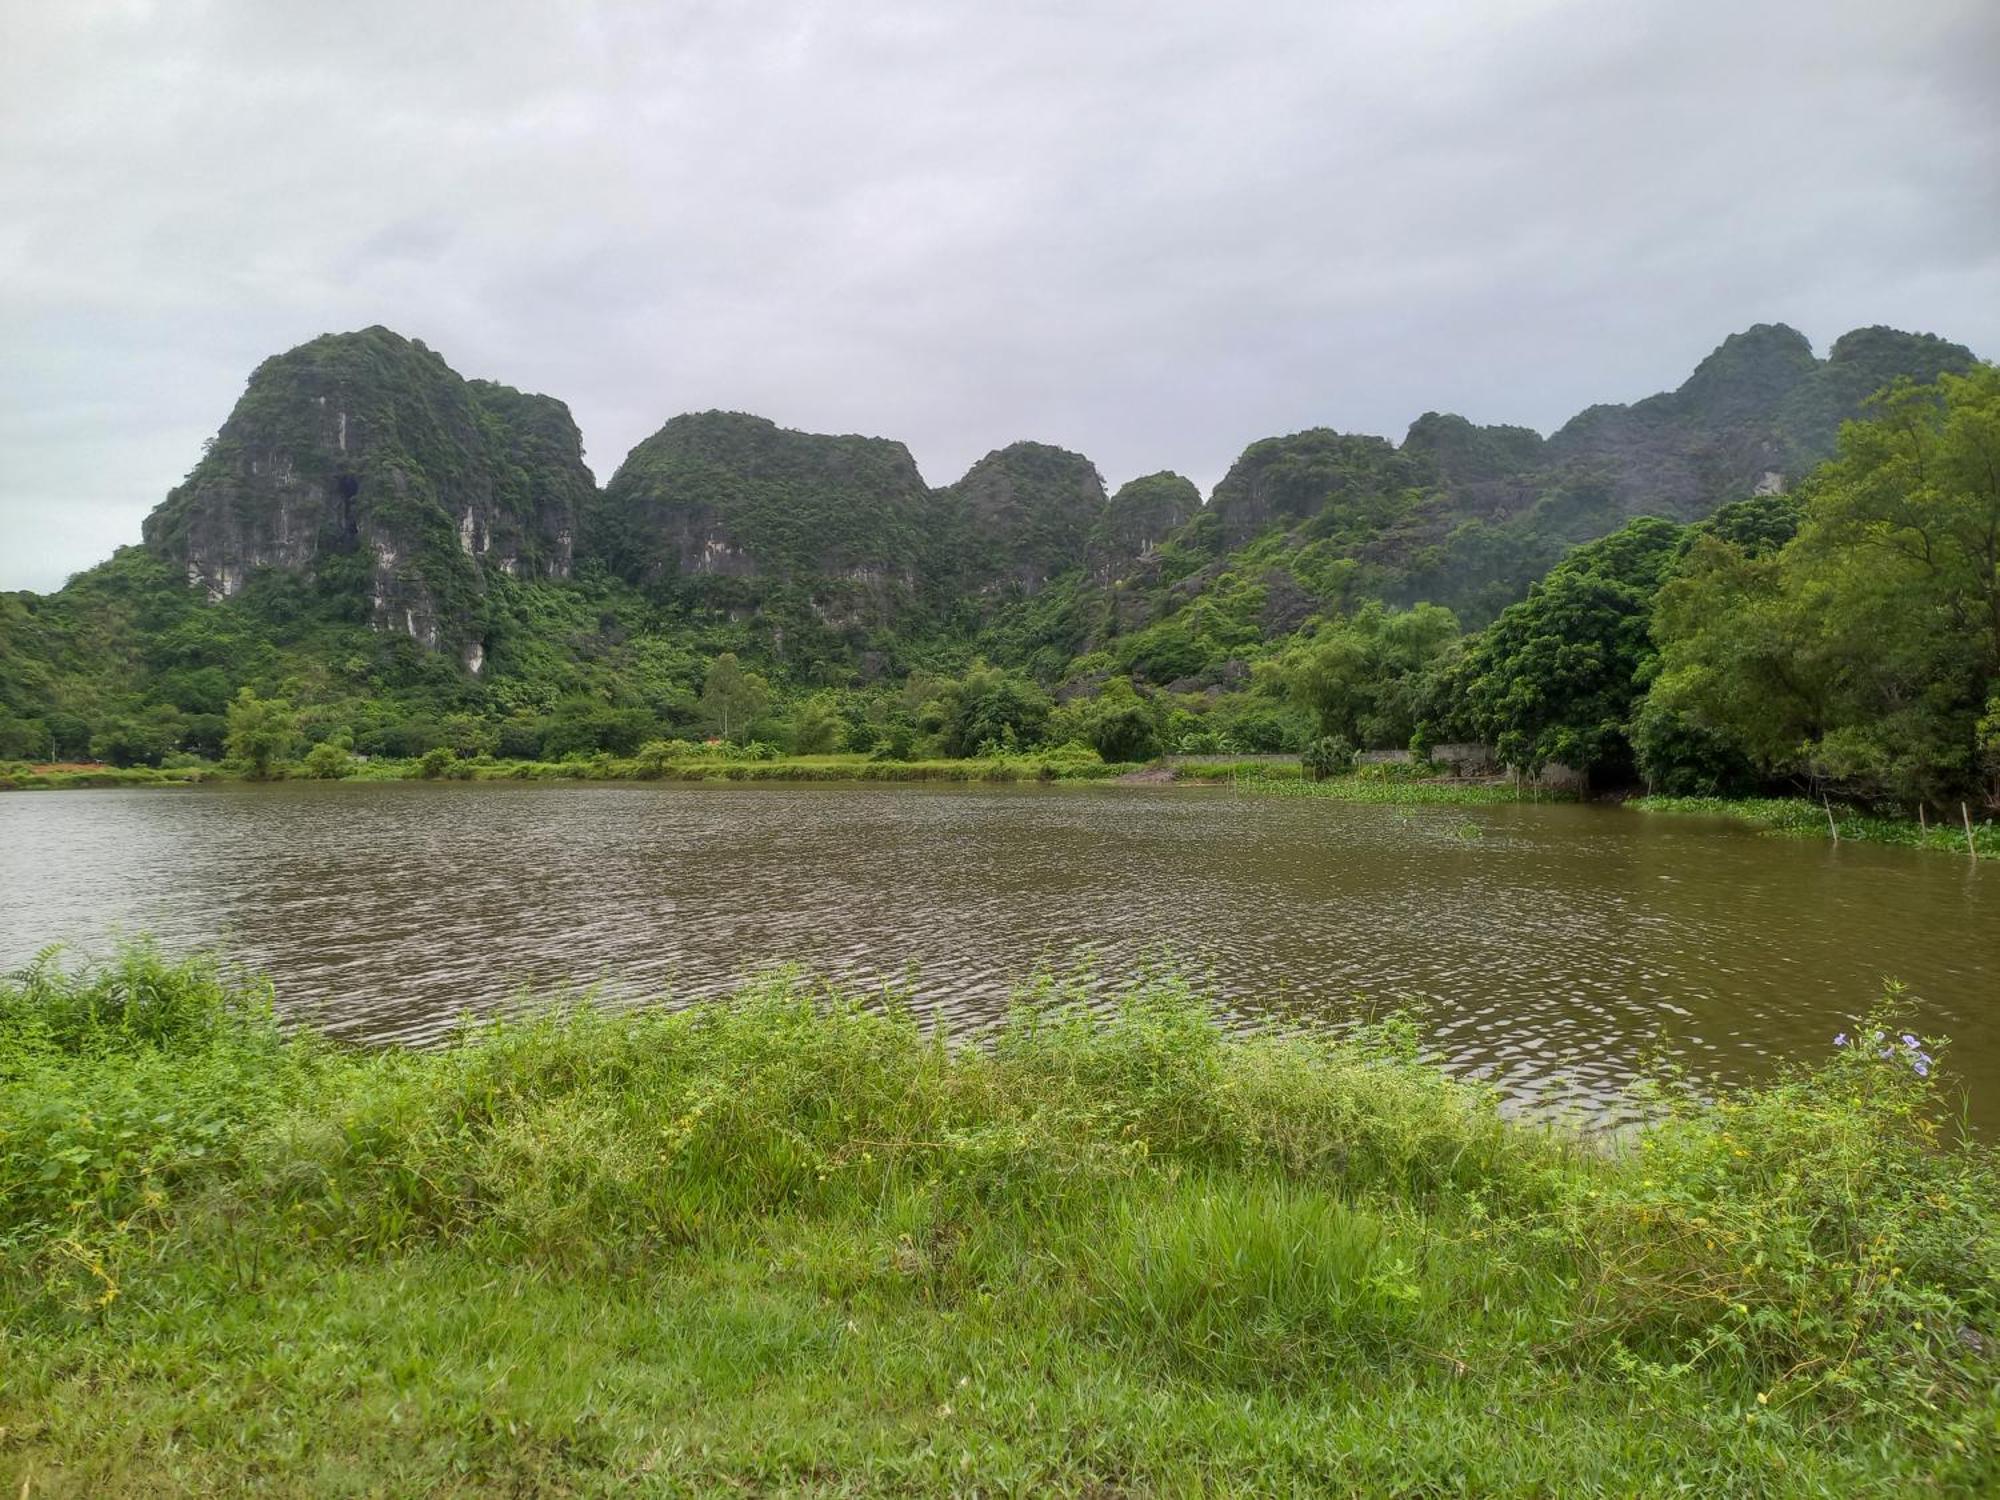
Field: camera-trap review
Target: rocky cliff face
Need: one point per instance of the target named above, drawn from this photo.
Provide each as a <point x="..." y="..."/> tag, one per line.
<point x="1136" y="520"/>
<point x="727" y="510"/>
<point x="1027" y="511"/>
<point x="1754" y="416"/>
<point x="1341" y="482"/>
<point x="364" y="457"/>
<point x="363" y="462"/>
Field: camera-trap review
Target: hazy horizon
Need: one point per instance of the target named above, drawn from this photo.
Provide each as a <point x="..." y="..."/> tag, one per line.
<point x="1150" y="233"/>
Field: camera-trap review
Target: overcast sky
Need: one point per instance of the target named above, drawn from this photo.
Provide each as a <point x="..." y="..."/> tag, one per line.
<point x="1149" y="231"/>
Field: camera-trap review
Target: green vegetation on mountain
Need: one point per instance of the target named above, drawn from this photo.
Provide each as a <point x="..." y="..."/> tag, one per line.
<point x="1669" y="592"/>
<point x="1023" y="514"/>
<point x="365" y="465"/>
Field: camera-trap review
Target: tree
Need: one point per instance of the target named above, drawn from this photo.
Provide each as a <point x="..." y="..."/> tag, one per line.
<point x="986" y="707"/>
<point x="1557" y="676"/>
<point x="327" y="761"/>
<point x="1119" y="724"/>
<point x="1865" y="651"/>
<point x="818" y="728"/>
<point x="731" y="697"/>
<point x="262" y="732"/>
<point x="23" y="739"/>
<point x="1329" y="755"/>
<point x="135" y="742"/>
<point x="1360" y="677"/>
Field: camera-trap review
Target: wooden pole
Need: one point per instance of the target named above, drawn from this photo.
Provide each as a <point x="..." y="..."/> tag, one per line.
<point x="1971" y="846"/>
<point x="1832" y="827"/>
<point x="1923" y="828"/>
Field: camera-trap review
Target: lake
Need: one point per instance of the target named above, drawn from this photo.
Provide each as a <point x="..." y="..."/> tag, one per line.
<point x="1551" y="946"/>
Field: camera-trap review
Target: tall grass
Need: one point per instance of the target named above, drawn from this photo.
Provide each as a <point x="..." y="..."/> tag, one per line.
<point x="1795" y="817"/>
<point x="796" y="1242"/>
<point x="1383" y="787"/>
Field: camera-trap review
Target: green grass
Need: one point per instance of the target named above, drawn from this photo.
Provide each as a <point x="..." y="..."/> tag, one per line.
<point x="1394" y="786"/>
<point x="1054" y="766"/>
<point x="835" y="768"/>
<point x="1233" y="770"/>
<point x="791" y="1243"/>
<point x="24" y="778"/>
<point x="1794" y="817"/>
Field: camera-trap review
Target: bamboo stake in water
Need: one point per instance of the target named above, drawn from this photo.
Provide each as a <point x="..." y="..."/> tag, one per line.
<point x="1923" y="828"/>
<point x="1971" y="846"/>
<point x="1832" y="826"/>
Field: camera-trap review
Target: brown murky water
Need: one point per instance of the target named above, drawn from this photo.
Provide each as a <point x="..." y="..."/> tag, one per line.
<point x="1552" y="945"/>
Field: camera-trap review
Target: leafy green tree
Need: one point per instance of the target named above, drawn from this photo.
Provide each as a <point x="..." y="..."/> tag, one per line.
<point x="580" y="727"/>
<point x="402" y="739"/>
<point x="23" y="739"/>
<point x="818" y="728"/>
<point x="520" y="738"/>
<point x="731" y="698"/>
<point x="1360" y="677"/>
<point x="987" y="707"/>
<point x="69" y="735"/>
<point x="1119" y="724"/>
<point x="1864" y="652"/>
<point x="134" y="742"/>
<point x="262" y="734"/>
<point x="203" y="735"/>
<point x="469" y="736"/>
<point x="1558" y="676"/>
<point x="327" y="761"/>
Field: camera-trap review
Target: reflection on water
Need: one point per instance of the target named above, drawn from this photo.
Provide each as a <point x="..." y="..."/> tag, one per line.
<point x="1553" y="945"/>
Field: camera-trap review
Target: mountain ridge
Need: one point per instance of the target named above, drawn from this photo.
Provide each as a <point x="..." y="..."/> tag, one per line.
<point x="370" y="445"/>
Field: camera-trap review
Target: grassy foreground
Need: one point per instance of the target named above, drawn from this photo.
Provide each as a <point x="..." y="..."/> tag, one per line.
<point x="788" y="1244"/>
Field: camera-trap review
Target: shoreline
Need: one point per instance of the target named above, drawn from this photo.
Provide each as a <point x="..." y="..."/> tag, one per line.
<point x="1785" y="817"/>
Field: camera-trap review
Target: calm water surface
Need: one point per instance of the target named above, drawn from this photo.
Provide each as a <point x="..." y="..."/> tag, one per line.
<point x="1552" y="945"/>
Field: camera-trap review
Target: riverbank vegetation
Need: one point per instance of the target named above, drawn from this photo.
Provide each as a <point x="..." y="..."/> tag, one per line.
<point x="1797" y="818"/>
<point x="1838" y="641"/>
<point x="793" y="1243"/>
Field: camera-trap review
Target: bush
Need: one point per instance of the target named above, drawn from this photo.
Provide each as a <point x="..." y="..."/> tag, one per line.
<point x="1329" y="755"/>
<point x="1781" y="1287"/>
<point x="328" y="761"/>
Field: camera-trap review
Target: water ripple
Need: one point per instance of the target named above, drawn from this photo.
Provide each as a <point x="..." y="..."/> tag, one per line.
<point x="1551" y="947"/>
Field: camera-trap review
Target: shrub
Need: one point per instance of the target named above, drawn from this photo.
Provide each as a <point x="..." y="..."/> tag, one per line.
<point x="1329" y="755"/>
<point x="327" y="761"/>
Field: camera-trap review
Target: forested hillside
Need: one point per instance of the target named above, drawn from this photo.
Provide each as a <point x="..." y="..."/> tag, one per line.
<point x="1710" y="589"/>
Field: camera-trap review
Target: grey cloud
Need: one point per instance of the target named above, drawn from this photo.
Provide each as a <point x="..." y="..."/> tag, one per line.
<point x="1150" y="231"/>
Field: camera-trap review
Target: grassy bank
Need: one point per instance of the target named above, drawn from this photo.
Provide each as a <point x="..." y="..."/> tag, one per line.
<point x="25" y="777"/>
<point x="1051" y="766"/>
<point x="1393" y="786"/>
<point x="790" y="1244"/>
<point x="1797" y="818"/>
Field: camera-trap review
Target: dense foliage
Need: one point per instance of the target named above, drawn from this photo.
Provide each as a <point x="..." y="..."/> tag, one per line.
<point x="744" y="583"/>
<point x="762" y="1242"/>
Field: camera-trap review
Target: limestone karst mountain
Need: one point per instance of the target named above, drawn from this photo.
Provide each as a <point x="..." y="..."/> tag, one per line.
<point x="363" y="465"/>
<point x="364" y="460"/>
